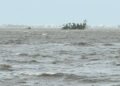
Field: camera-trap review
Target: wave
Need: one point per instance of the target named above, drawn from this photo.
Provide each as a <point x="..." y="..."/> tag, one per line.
<point x="82" y="44"/>
<point x="22" y="61"/>
<point x="55" y="75"/>
<point x="73" y="77"/>
<point x="5" y="67"/>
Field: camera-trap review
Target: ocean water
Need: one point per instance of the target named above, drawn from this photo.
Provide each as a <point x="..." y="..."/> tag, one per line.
<point x="39" y="57"/>
<point x="60" y="64"/>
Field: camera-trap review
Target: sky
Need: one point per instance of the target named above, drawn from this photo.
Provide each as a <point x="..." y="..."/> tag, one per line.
<point x="58" y="12"/>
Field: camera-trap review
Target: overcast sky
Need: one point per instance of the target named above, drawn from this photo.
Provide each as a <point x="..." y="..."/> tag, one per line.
<point x="57" y="12"/>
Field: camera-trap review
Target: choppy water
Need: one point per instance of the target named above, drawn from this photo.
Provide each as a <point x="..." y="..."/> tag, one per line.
<point x="59" y="64"/>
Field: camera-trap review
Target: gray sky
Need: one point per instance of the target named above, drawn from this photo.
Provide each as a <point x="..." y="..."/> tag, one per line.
<point x="57" y="12"/>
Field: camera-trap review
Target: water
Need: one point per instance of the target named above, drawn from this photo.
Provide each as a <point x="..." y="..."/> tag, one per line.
<point x="60" y="62"/>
